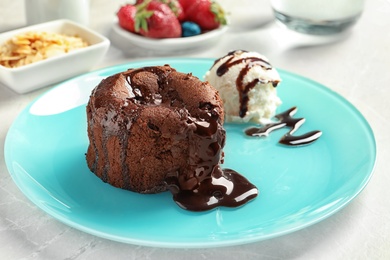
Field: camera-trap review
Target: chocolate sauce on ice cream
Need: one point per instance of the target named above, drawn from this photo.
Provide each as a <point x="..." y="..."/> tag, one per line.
<point x="242" y="86"/>
<point x="247" y="83"/>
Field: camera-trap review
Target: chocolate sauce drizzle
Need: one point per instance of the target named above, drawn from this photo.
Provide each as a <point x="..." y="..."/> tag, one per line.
<point x="244" y="88"/>
<point x="204" y="185"/>
<point x="286" y="119"/>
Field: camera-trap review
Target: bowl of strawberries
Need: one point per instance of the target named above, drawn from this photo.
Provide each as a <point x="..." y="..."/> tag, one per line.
<point x="171" y="25"/>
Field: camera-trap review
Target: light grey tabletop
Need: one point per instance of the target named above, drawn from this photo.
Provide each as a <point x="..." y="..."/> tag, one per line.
<point x="355" y="66"/>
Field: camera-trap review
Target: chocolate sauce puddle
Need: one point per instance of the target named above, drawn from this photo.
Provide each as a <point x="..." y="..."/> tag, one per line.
<point x="286" y="119"/>
<point x="224" y="188"/>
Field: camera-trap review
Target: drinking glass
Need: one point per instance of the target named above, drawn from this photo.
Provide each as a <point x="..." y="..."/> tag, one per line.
<point x="319" y="17"/>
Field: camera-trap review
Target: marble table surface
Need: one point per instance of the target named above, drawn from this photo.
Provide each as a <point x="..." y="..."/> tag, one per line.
<point x="355" y="65"/>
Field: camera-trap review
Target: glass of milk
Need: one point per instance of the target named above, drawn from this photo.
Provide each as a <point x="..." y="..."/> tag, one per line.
<point x="319" y="17"/>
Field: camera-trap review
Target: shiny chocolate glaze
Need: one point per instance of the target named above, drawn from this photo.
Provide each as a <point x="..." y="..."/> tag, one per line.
<point x="222" y="188"/>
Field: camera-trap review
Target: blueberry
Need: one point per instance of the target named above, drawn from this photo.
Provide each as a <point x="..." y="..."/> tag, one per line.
<point x="190" y="29"/>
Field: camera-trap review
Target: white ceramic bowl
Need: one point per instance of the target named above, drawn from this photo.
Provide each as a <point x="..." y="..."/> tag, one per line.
<point x="43" y="73"/>
<point x="169" y="45"/>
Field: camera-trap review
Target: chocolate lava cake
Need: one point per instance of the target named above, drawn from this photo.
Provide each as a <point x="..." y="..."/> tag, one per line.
<point x="153" y="127"/>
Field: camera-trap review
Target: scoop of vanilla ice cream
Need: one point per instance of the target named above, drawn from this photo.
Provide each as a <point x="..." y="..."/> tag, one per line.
<point x="246" y="82"/>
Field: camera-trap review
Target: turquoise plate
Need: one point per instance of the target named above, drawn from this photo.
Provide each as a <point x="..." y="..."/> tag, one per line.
<point x="45" y="154"/>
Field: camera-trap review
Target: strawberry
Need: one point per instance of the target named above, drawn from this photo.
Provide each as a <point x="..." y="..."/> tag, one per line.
<point x="174" y="5"/>
<point x="155" y="19"/>
<point x="185" y="4"/>
<point x="176" y="8"/>
<point x="207" y="14"/>
<point x="126" y="17"/>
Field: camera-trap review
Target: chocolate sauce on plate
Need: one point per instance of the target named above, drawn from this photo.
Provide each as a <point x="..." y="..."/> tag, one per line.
<point x="222" y="188"/>
<point x="286" y="119"/>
